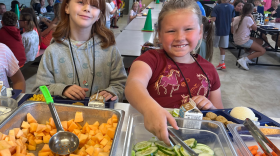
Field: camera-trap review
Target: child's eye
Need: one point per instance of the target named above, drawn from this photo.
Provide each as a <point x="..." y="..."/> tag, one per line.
<point x="81" y="2"/>
<point x="189" y="29"/>
<point x="170" y="31"/>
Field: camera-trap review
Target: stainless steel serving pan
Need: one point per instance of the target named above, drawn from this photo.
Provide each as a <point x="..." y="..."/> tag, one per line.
<point x="41" y="113"/>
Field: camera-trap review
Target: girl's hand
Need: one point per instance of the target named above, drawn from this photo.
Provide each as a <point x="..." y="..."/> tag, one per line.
<point x="139" y="15"/>
<point x="203" y="103"/>
<point x="273" y="12"/>
<point x="155" y="121"/>
<point x="108" y="96"/>
<point x="75" y="92"/>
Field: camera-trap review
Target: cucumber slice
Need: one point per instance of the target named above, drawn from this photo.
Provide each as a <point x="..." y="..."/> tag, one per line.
<point x="205" y="149"/>
<point x="160" y="153"/>
<point x="166" y="152"/>
<point x="132" y="153"/>
<point x="184" y="152"/>
<point x="197" y="151"/>
<point x="162" y="145"/>
<point x="153" y="139"/>
<point x="191" y="142"/>
<point x="147" y="152"/>
<point x="142" y="145"/>
<point x="204" y="154"/>
<point x="177" y="150"/>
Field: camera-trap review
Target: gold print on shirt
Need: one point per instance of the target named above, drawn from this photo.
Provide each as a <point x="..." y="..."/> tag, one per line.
<point x="204" y="84"/>
<point x="170" y="79"/>
<point x="185" y="99"/>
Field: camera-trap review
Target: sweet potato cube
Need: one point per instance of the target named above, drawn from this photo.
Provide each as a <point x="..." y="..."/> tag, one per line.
<point x="25" y="131"/>
<point x="91" y="143"/>
<point x="77" y="131"/>
<point x="85" y="128"/>
<point x="16" y="131"/>
<point x="38" y="141"/>
<point x="25" y="125"/>
<point x="107" y="148"/>
<point x="103" y="130"/>
<point x="46" y="148"/>
<point x="70" y="122"/>
<point x="33" y="127"/>
<point x="90" y="150"/>
<point x="96" y="146"/>
<point x="97" y="151"/>
<point x="52" y="122"/>
<point x="32" y="142"/>
<point x="39" y="134"/>
<point x="30" y="118"/>
<point x="91" y="132"/>
<point x="111" y="132"/>
<point x="46" y="139"/>
<point x="53" y="131"/>
<point x="109" y="121"/>
<point x="104" y="142"/>
<point x="19" y="134"/>
<point x="93" y="127"/>
<point x="23" y="139"/>
<point x="41" y="128"/>
<point x="79" y="117"/>
<point x="5" y="152"/>
<point x="99" y="136"/>
<point x="107" y="137"/>
<point x="72" y="127"/>
<point x="30" y="154"/>
<point x="64" y="125"/>
<point x="96" y="124"/>
<point x="31" y="148"/>
<point x="83" y="138"/>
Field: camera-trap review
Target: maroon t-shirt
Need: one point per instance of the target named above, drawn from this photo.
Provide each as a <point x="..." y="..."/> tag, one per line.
<point x="167" y="86"/>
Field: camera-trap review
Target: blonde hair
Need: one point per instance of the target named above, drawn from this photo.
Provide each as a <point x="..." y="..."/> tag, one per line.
<point x="174" y="5"/>
<point x="26" y="17"/>
<point x="134" y="4"/>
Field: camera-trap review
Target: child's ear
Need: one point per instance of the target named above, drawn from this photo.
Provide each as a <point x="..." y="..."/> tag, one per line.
<point x="67" y="8"/>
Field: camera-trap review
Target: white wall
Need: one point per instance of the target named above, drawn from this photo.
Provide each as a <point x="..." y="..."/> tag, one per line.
<point x="26" y="2"/>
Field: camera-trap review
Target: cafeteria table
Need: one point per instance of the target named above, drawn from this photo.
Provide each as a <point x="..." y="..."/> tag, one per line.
<point x="154" y="13"/>
<point x="156" y="7"/>
<point x="129" y="42"/>
<point x="138" y="24"/>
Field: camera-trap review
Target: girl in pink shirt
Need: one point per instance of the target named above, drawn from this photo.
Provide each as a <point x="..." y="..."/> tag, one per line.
<point x="241" y="30"/>
<point x="267" y="4"/>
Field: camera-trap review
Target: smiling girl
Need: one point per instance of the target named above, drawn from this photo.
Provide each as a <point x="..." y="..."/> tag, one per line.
<point x="169" y="77"/>
<point x="82" y="58"/>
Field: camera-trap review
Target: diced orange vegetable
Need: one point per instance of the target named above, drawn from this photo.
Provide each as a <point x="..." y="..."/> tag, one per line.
<point x="254" y="152"/>
<point x="73" y="155"/>
<point x="83" y="138"/>
<point x="25" y="125"/>
<point x="41" y="128"/>
<point x="72" y="127"/>
<point x="90" y="150"/>
<point x="5" y="152"/>
<point x="44" y="153"/>
<point x="64" y="125"/>
<point x="38" y="141"/>
<point x="33" y="127"/>
<point x="115" y="125"/>
<point x="46" y="139"/>
<point x="19" y="133"/>
<point x="70" y="122"/>
<point x="103" y="154"/>
<point x="80" y="127"/>
<point x="30" y="154"/>
<point x="30" y="118"/>
<point x="111" y="132"/>
<point x="256" y="147"/>
<point x="52" y="122"/>
<point x="273" y="153"/>
<point x="104" y="142"/>
<point x="31" y="148"/>
<point x="99" y="136"/>
<point x="46" y="148"/>
<point x="32" y="142"/>
<point x="79" y="117"/>
<point x="53" y="131"/>
<point x="109" y="121"/>
<point x="107" y="148"/>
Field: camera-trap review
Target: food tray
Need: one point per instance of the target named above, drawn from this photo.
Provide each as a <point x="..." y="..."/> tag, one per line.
<point x="211" y="133"/>
<point x="15" y="93"/>
<point x="41" y="113"/>
<point x="57" y="99"/>
<point x="150" y="8"/>
<point x="269" y="27"/>
<point x="26" y="97"/>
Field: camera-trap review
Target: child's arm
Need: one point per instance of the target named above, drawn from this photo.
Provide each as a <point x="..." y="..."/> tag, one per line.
<point x="114" y="10"/>
<point x="45" y="32"/>
<point x="18" y="81"/>
<point x="155" y="117"/>
<point x="118" y="76"/>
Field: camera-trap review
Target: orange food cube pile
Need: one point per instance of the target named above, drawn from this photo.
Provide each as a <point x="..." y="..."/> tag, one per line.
<point x="95" y="139"/>
<point x="255" y="152"/>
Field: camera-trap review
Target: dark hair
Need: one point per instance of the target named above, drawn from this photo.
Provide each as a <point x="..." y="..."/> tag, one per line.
<point x="34" y="17"/>
<point x="27" y="17"/>
<point x="247" y="9"/>
<point x="237" y="2"/>
<point x="9" y="18"/>
<point x="56" y="9"/>
<point x="2" y="4"/>
<point x="208" y="33"/>
<point x="99" y="28"/>
<point x="13" y="4"/>
<point x="257" y="0"/>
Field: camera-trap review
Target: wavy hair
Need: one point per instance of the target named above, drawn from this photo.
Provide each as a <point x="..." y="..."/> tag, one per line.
<point x="63" y="27"/>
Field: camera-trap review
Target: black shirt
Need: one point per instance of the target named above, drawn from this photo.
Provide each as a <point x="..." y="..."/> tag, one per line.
<point x="236" y="13"/>
<point x="277" y="14"/>
<point x="49" y="8"/>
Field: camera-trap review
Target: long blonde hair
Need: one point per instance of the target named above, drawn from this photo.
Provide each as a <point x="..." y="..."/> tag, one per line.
<point x="174" y="5"/>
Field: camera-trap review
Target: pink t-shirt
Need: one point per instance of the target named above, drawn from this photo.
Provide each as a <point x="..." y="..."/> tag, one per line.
<point x="243" y="34"/>
<point x="8" y="64"/>
<point x="267" y="4"/>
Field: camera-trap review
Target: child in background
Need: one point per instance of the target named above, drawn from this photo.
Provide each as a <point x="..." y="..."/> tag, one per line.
<point x="43" y="9"/>
<point x="12" y="36"/>
<point x="36" y="27"/>
<point x="133" y="13"/>
<point x="222" y="15"/>
<point x="47" y="34"/>
<point x="169" y="77"/>
<point x="109" y="11"/>
<point x="206" y="47"/>
<point x="141" y="7"/>
<point x="267" y="4"/>
<point x="13" y="6"/>
<point x="50" y="6"/>
<point x="9" y="68"/>
<point x="82" y="57"/>
<point x="274" y="9"/>
<point x="238" y="5"/>
<point x="30" y="38"/>
<point x="241" y="28"/>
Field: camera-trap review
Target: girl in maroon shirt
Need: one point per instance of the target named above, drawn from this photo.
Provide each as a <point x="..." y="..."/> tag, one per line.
<point x="171" y="76"/>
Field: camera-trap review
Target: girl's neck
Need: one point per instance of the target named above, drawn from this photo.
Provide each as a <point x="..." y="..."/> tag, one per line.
<point x="187" y="59"/>
<point x="275" y="7"/>
<point x="80" y="34"/>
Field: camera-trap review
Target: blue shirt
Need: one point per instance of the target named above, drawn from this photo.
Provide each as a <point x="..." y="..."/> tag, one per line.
<point x="49" y="8"/>
<point x="201" y="8"/>
<point x="224" y="13"/>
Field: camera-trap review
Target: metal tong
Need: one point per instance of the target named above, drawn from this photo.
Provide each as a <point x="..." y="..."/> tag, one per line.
<point x="260" y="137"/>
<point x="174" y="138"/>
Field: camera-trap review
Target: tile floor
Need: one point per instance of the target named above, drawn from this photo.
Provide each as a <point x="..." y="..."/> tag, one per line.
<point x="258" y="88"/>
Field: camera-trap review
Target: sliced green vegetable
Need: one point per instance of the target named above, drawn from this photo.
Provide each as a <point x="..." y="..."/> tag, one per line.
<point x="132" y="153"/>
<point x="205" y="149"/>
<point x="142" y="145"/>
<point x="167" y="152"/>
<point x="162" y="145"/>
<point x="177" y="150"/>
<point x="191" y="142"/>
<point x="184" y="152"/>
<point x="147" y="152"/>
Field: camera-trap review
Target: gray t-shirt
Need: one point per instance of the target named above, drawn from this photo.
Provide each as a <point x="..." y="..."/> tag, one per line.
<point x="30" y="42"/>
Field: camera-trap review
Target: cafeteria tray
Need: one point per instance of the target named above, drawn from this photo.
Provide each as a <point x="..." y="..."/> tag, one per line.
<point x="40" y="111"/>
<point x="25" y="99"/>
<point x="15" y="93"/>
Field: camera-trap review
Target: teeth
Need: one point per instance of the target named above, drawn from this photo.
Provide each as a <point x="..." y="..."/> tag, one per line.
<point x="181" y="46"/>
